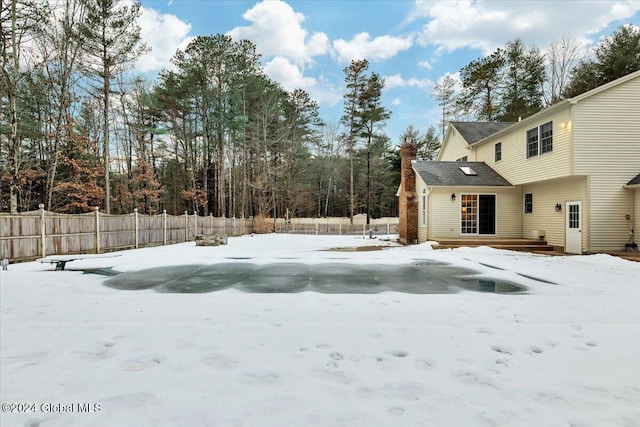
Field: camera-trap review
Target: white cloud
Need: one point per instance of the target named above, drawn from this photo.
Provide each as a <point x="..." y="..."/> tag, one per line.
<point x="457" y="87"/>
<point x="396" y="101"/>
<point x="164" y="33"/>
<point x="287" y="74"/>
<point x="397" y="80"/>
<point x="363" y="47"/>
<point x="277" y="31"/>
<point x="425" y="64"/>
<point x="486" y="25"/>
<point x="290" y="76"/>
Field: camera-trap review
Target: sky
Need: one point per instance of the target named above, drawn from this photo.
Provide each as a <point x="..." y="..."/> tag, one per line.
<point x="77" y="352"/>
<point x="413" y="44"/>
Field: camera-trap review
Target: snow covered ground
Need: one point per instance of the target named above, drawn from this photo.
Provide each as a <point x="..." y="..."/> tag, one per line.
<point x="77" y="353"/>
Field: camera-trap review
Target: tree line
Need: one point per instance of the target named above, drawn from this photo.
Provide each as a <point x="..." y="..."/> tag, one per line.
<point x="516" y="81"/>
<point x="214" y="134"/>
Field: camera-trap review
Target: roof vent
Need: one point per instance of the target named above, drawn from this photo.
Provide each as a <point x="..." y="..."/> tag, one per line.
<point x="468" y="171"/>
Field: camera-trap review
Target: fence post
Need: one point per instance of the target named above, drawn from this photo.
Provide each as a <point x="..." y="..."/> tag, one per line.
<point x="97" y="209"/>
<point x="136" y="229"/>
<point x="164" y="227"/>
<point x="340" y="229"/>
<point x="317" y="228"/>
<point x="233" y="226"/>
<point x="211" y="223"/>
<point x="43" y="237"/>
<point x="388" y="229"/>
<point x="186" y="225"/>
<point x="195" y="230"/>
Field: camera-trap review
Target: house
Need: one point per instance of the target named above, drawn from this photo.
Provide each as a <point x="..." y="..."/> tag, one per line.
<point x="569" y="174"/>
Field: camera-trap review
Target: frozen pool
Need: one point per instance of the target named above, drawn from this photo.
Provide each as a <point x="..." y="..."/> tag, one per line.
<point x="423" y="277"/>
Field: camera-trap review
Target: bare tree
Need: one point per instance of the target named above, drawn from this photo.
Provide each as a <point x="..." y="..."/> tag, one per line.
<point x="59" y="51"/>
<point x="20" y="22"/>
<point x="444" y="94"/>
<point x="561" y="57"/>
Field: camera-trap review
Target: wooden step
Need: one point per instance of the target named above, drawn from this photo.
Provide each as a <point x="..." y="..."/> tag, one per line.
<point x="523" y="245"/>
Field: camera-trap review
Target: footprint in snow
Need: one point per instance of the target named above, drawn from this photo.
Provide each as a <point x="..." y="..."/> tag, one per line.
<point x="423" y="364"/>
<point x="96" y="351"/>
<point x="502" y="362"/>
<point x="398" y="353"/>
<point x="476" y="378"/>
<point x="220" y="360"/>
<point x="502" y="349"/>
<point x="396" y="410"/>
<point x="336" y="356"/>
<point x="139" y="363"/>
<point x="534" y="349"/>
<point x="260" y="376"/>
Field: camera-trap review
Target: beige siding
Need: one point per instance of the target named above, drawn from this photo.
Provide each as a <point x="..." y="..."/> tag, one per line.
<point x="544" y="217"/>
<point x="516" y="167"/>
<point x="607" y="148"/>
<point x="445" y="213"/>
<point x="454" y="147"/>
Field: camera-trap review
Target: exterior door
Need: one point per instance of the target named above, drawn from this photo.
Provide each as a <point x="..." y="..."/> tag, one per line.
<point x="573" y="233"/>
<point x="478" y="214"/>
<point x="487" y="214"/>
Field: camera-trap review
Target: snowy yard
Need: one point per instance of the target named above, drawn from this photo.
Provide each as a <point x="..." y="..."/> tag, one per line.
<point x="77" y="353"/>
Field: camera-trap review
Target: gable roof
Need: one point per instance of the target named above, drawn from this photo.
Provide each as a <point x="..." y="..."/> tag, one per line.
<point x="475" y="131"/>
<point x="449" y="174"/>
<point x="634" y="181"/>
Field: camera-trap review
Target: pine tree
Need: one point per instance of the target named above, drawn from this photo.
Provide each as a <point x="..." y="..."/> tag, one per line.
<point x="615" y="56"/>
<point x="110" y="38"/>
<point x="480" y="86"/>
<point x="521" y="92"/>
<point x="372" y="116"/>
<point x="356" y="80"/>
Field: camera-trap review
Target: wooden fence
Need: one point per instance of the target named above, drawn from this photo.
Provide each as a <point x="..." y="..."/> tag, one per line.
<point x="336" y="226"/>
<point x="39" y="233"/>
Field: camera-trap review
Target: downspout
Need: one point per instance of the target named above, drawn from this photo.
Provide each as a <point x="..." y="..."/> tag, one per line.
<point x="428" y="201"/>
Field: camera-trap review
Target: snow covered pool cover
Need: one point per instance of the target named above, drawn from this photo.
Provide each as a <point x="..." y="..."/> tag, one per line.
<point x="424" y="277"/>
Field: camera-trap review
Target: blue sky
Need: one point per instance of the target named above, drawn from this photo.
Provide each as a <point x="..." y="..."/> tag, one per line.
<point x="412" y="44"/>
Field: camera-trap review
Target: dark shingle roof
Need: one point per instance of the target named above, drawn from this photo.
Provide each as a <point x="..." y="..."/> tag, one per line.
<point x="448" y="174"/>
<point x="635" y="181"/>
<point x="475" y="131"/>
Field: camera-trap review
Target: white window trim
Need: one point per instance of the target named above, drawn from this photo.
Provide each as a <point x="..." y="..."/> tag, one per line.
<point x="477" y="233"/>
<point x="524" y="204"/>
<point x="423" y="208"/>
<point x="539" y="142"/>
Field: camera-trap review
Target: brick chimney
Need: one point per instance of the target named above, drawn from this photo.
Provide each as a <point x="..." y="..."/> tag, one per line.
<point x="408" y="224"/>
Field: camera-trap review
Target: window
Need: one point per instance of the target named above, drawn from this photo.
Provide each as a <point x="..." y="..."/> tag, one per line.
<point x="469" y="214"/>
<point x="528" y="203"/>
<point x="468" y="171"/>
<point x="532" y="142"/>
<point x="423" y="208"/>
<point x="546" y="138"/>
<point x="462" y="159"/>
<point x="540" y="140"/>
<point x="498" y="151"/>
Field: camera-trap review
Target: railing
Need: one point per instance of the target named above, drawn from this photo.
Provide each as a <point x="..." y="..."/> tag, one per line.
<point x="39" y="233"/>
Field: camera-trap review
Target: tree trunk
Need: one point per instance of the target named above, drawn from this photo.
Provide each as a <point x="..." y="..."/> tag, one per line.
<point x="105" y="134"/>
